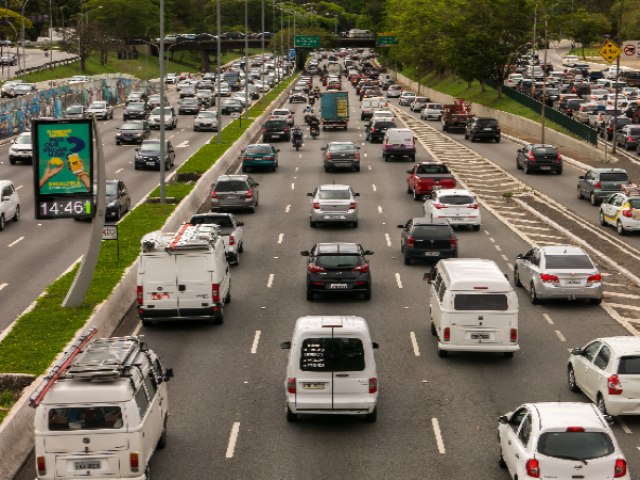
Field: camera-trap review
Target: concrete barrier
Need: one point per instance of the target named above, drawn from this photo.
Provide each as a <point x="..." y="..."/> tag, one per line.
<point x="16" y="431"/>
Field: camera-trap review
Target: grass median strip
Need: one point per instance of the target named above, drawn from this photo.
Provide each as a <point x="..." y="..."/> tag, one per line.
<point x="39" y="335"/>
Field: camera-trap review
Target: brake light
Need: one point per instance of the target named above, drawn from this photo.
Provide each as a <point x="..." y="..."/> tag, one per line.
<point x="614" y="385"/>
<point x="249" y="193"/>
<point x="595" y="278"/>
<point x="134" y="462"/>
<point x="291" y="385"/>
<point x="316" y="205"/>
<point x="514" y="335"/>
<point x="626" y="213"/>
<point x="215" y="292"/>
<point x="597" y="185"/>
<point x="438" y="206"/>
<point x="373" y="130"/>
<point x="353" y="206"/>
<point x="232" y="240"/>
<point x="620" y="470"/>
<point x="329" y="156"/>
<point x="475" y="206"/>
<point x="453" y="242"/>
<point x="559" y="158"/>
<point x="286" y="130"/>
<point x="313" y="268"/>
<point x="373" y="385"/>
<point x="548" y="278"/>
<point x="139" y="294"/>
<point x="575" y="429"/>
<point x="357" y="156"/>
<point x="364" y="268"/>
<point x="531" y="157"/>
<point x="41" y="465"/>
<point x="629" y="139"/>
<point x="533" y="468"/>
<point x="411" y="241"/>
<point x="446" y="334"/>
<point x="214" y="194"/>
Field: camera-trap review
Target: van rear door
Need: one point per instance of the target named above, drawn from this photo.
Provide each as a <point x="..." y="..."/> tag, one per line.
<point x="482" y="319"/>
<point x="159" y="282"/>
<point x="193" y="278"/>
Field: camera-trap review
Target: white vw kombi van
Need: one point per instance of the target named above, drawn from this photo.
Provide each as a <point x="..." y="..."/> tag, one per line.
<point x="472" y="307"/>
<point x="331" y="368"/>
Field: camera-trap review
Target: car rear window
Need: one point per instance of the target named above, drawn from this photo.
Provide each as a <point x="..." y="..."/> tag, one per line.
<point x="261" y="149"/>
<point x="222" y="221"/>
<point x="335" y="354"/>
<point x="575" y="445"/>
<point x="231" y="186"/>
<point x="275" y="124"/>
<point x="545" y="151"/>
<point x="629" y="366"/>
<point x="431" y="169"/>
<point x="85" y="418"/>
<point x="488" y="123"/>
<point x="384" y="125"/>
<point x="338" y="261"/>
<point x="568" y="261"/>
<point x="456" y="199"/>
<point x="434" y="232"/>
<point x="617" y="176"/>
<point x="344" y="147"/>
<point x="334" y="195"/>
<point x="634" y="202"/>
<point x="480" y="301"/>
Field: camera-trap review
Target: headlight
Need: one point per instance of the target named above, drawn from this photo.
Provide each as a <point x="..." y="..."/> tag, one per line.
<point x="112" y="204"/>
<point x="12" y="150"/>
<point x="118" y="134"/>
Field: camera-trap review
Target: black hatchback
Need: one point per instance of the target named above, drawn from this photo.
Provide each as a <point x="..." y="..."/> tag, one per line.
<point x="338" y="268"/>
<point x="377" y="129"/>
<point x="422" y="239"/>
<point x="481" y="128"/>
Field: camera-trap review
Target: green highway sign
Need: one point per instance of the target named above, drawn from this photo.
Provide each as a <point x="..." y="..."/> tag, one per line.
<point x="386" y="40"/>
<point x="306" y="41"/>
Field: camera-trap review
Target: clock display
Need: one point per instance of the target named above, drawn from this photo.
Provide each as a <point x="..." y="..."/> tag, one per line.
<point x="65" y="208"/>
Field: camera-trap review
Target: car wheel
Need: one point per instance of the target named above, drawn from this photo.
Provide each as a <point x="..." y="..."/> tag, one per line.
<point x="118" y="143"/>
<point x="595" y="301"/>
<point x="580" y="196"/>
<point x="472" y="138"/>
<point x="497" y="139"/>
<point x="244" y="169"/>
<point x="620" y="228"/>
<point x="603" y="222"/>
<point x="434" y="332"/>
<point x="407" y="260"/>
<point x="416" y="197"/>
<point x="571" y="378"/>
<point x="518" y="167"/>
<point x="12" y="161"/>
<point x="241" y="247"/>
<point x="516" y="278"/>
<point x="312" y="224"/>
<point x="602" y="406"/>
<point x="236" y="260"/>
<point x="372" y="417"/>
<point x="501" y="462"/>
<point x="525" y="168"/>
<point x="354" y="224"/>
<point x="2" y="222"/>
<point x="593" y="200"/>
<point x="367" y="294"/>
<point x="291" y="417"/>
<point x="162" y="441"/>
<point x="475" y="228"/>
<point x="442" y="353"/>
<point x="385" y="157"/>
<point x="310" y="295"/>
<point x="16" y="216"/>
<point x="533" y="296"/>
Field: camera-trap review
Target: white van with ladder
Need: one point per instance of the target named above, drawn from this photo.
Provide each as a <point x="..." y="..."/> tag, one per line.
<point x="102" y="411"/>
<point x="183" y="275"/>
<point x="331" y="368"/>
<point x="472" y="307"/>
<point x="370" y="105"/>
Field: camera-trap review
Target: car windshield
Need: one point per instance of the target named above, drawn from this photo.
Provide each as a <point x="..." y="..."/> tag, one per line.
<point x="189" y="101"/>
<point x="136" y="106"/>
<point x="259" y="149"/>
<point x="231" y="186"/>
<point x="568" y="262"/>
<point x="333" y="354"/>
<point x="431" y="169"/>
<point x="435" y="232"/>
<point x="24" y="140"/>
<point x="74" y="109"/>
<point x="220" y="220"/>
<point x="112" y="188"/>
<point x="156" y="111"/>
<point x="456" y="199"/>
<point x="341" y="147"/>
<point x="618" y="176"/>
<point x="334" y="195"/>
<point x="487" y="122"/>
<point x="26" y="88"/>
<point x="85" y="418"/>
<point x="207" y="115"/>
<point x="338" y="261"/>
<point x="434" y="106"/>
<point x="131" y="126"/>
<point x="575" y="445"/>
<point x="98" y="105"/>
<point x="152" y="148"/>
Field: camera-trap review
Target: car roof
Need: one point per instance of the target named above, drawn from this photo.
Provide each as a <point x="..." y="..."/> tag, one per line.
<point x="341" y="143"/>
<point x="453" y="191"/>
<point x="259" y="145"/>
<point x="560" y="415"/>
<point x="562" y="250"/>
<point x="232" y="177"/>
<point x="623" y="345"/>
<point x="338" y="247"/>
<point x="348" y="324"/>
<point x="333" y="186"/>
<point x="541" y="145"/>
<point x="427" y="221"/>
<point x="613" y="170"/>
<point x="4" y="183"/>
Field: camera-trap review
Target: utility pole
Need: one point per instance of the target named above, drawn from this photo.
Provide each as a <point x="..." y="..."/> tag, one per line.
<point x="219" y="72"/>
<point x="162" y="112"/>
<point x="615" y="101"/>
<point x="544" y="83"/>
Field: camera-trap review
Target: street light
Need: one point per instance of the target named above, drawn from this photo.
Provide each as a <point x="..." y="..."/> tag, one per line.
<point x="50" y="36"/>
<point x="24" y="60"/>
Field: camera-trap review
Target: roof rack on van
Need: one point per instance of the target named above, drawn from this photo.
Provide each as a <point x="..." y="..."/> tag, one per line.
<point x="189" y="237"/>
<point x="631" y="190"/>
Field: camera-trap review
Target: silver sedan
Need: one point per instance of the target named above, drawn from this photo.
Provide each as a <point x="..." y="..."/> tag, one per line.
<point x="334" y="204"/>
<point x="558" y="272"/>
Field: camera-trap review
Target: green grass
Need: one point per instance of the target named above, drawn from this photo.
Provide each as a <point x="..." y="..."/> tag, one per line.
<point x="7" y="398"/>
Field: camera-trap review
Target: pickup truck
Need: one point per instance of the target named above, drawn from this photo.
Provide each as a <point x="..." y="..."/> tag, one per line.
<point x="334" y="110"/>
<point x="456" y="115"/>
<point x="425" y="177"/>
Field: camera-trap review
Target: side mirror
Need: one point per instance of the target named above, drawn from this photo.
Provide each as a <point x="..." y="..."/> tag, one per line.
<point x="519" y="150"/>
<point x="323" y="148"/>
<point x="310" y="194"/>
<point x="305" y="253"/>
<point x="368" y="252"/>
<point x="168" y="374"/>
<point x="503" y="419"/>
<point x="375" y="345"/>
<point x="285" y="345"/>
<point x="356" y="194"/>
<point x="581" y="177"/>
<point x="577" y="351"/>
<point x="427" y="277"/>
<point x="277" y="149"/>
<point x="240" y="224"/>
<point x="401" y="226"/>
<point x="519" y="256"/>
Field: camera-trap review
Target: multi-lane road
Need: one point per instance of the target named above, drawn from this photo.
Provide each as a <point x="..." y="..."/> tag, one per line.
<point x="437" y="417"/>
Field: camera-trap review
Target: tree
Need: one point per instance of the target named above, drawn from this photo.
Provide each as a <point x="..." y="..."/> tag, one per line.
<point x="586" y="27"/>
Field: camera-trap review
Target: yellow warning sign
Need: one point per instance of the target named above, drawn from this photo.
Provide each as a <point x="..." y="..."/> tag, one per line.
<point x="610" y="51"/>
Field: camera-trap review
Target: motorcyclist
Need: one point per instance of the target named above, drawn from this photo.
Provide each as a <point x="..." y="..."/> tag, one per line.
<point x="296" y="135"/>
<point x="308" y="110"/>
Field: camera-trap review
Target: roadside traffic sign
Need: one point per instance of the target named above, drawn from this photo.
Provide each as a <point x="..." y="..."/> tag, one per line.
<point x="306" y="41"/>
<point x="292" y="53"/>
<point x="631" y="48"/>
<point x="110" y="232"/>
<point x="386" y="39"/>
<point x="610" y="51"/>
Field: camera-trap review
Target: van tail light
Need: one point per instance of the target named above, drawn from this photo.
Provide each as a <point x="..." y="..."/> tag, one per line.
<point x="453" y="242"/>
<point x="559" y="158"/>
<point x="446" y="334"/>
<point x="215" y="292"/>
<point x="438" y="206"/>
<point x="548" y="278"/>
<point x="291" y="385"/>
<point x="597" y="185"/>
<point x="139" y="295"/>
<point x="41" y="466"/>
<point x="329" y="156"/>
<point x="614" y="385"/>
<point x="629" y="139"/>
<point x="620" y="469"/>
<point x="411" y="241"/>
<point x="232" y="240"/>
<point x="514" y="335"/>
<point x="373" y="385"/>
<point x="353" y="206"/>
<point x="249" y="193"/>
<point x="214" y="194"/>
<point x="134" y="462"/>
<point x="626" y="213"/>
<point x="475" y="206"/>
<point x="533" y="468"/>
<point x="531" y="157"/>
<point x="313" y="268"/>
<point x="575" y="429"/>
<point x="595" y="278"/>
<point x="316" y="205"/>
<point x="364" y="268"/>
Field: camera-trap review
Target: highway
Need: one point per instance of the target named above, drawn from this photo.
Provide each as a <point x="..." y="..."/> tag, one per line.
<point x="437" y="417"/>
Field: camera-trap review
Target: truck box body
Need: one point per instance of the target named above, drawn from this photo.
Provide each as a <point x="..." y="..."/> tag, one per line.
<point x="334" y="110"/>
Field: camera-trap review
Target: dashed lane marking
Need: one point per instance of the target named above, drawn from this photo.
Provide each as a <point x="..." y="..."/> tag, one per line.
<point x="560" y="336"/>
<point x="379" y="209"/>
<point x="438" y="435"/>
<point x="3" y="285"/>
<point x="287" y="209"/>
<point x="388" y="239"/>
<point x="256" y="340"/>
<point x="547" y="318"/>
<point x="414" y="342"/>
<point x="233" y="438"/>
<point x="280" y="237"/>
<point x="16" y="241"/>
<point x="398" y="280"/>
<point x="375" y="189"/>
<point x="270" y="281"/>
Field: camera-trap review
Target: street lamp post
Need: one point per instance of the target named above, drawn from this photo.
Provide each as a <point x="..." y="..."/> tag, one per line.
<point x="219" y="72"/>
<point x="246" y="59"/>
<point x="24" y="60"/>
<point x="262" y="62"/>
<point x="162" y="112"/>
<point x="50" y="36"/>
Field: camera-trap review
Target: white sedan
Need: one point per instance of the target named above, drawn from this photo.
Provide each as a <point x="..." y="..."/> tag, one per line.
<point x="456" y="206"/>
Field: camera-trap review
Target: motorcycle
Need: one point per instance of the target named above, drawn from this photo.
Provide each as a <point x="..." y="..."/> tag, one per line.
<point x="314" y="131"/>
<point x="297" y="142"/>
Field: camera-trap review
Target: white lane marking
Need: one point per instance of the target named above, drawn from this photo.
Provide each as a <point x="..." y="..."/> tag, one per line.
<point x="547" y="318"/>
<point x="299" y="155"/>
<point x="498" y="247"/>
<point x="171" y="136"/>
<point x="436" y="432"/>
<point x="414" y="342"/>
<point x="293" y="186"/>
<point x="118" y="171"/>
<point x="295" y="178"/>
<point x="19" y="187"/>
<point x="625" y="427"/>
<point x="280" y="237"/>
<point x="505" y="258"/>
<point x="256" y="339"/>
<point x="379" y="209"/>
<point x="233" y="438"/>
<point x="16" y="241"/>
<point x="560" y="336"/>
<point x="388" y="239"/>
<point x="398" y="280"/>
<point x="486" y="232"/>
<point x="492" y="240"/>
<point x="375" y="189"/>
<point x="366" y="154"/>
<point x="270" y="281"/>
<point x="287" y="208"/>
<point x="297" y="168"/>
<point x="3" y="285"/>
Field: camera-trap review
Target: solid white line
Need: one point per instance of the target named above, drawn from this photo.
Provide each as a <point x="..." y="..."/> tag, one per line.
<point x="436" y="432"/>
<point x="270" y="281"/>
<point x="118" y="171"/>
<point x="386" y="236"/>
<point x="398" y="280"/>
<point x="624" y="426"/>
<point x="293" y="186"/>
<point x="375" y="189"/>
<point x="560" y="336"/>
<point x="280" y="237"/>
<point x="414" y="342"/>
<point x="547" y="318"/>
<point x="137" y="329"/>
<point x="16" y="241"/>
<point x="233" y="438"/>
<point x="3" y="285"/>
<point x="287" y="208"/>
<point x="379" y="209"/>
<point x="256" y="339"/>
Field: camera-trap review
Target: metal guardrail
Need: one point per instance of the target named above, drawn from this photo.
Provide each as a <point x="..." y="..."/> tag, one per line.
<point x="46" y="66"/>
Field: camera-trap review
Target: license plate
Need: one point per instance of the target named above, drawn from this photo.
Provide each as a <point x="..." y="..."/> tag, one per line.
<point x="480" y="336"/>
<point x="313" y="386"/>
<point x="488" y="129"/>
<point x="87" y="465"/>
<point x="343" y="164"/>
<point x="151" y="164"/>
<point x="573" y="282"/>
<point x="159" y="296"/>
<point x="276" y="135"/>
<point x="335" y="217"/>
<point x="457" y="218"/>
<point x="545" y="168"/>
<point x="431" y="254"/>
<point x="338" y="286"/>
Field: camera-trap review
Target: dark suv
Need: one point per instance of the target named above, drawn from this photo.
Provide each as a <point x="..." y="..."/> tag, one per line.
<point x="377" y="129"/>
<point x="276" y="130"/>
<point x="234" y="192"/>
<point x="135" y="111"/>
<point x="422" y="239"/>
<point x="541" y="157"/>
<point x="483" y="128"/>
<point x="338" y="268"/>
<point x="148" y="155"/>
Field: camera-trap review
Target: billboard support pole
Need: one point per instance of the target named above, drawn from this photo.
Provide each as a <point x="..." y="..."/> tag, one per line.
<point x="80" y="286"/>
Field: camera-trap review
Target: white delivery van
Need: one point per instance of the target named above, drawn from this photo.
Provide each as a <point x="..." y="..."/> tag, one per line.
<point x="371" y="104"/>
<point x="102" y="411"/>
<point x="399" y="142"/>
<point x="472" y="307"/>
<point x="183" y="275"/>
<point x="331" y="368"/>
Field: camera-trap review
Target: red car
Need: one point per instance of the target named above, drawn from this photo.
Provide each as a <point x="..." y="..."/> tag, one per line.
<point x="424" y="177"/>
